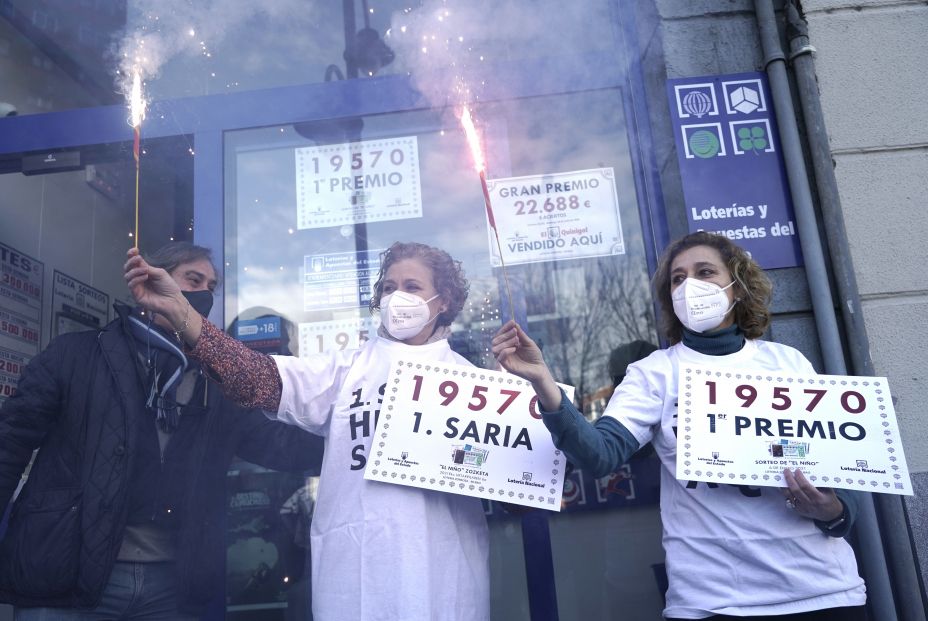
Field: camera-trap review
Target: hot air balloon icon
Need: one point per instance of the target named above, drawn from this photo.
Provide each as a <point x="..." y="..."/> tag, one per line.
<point x="697" y="103"/>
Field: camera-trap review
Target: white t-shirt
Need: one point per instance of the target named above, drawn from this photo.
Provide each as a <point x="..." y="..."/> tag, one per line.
<point x="381" y="551"/>
<point x="732" y="550"/>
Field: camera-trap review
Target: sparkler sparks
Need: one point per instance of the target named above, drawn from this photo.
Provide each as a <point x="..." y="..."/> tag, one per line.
<point x="137" y="115"/>
<point x="480" y="165"/>
<point x="473" y="139"/>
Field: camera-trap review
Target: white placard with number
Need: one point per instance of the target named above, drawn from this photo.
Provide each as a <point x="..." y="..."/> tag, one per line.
<point x="555" y="216"/>
<point x="354" y="182"/>
<point x="466" y="430"/>
<point x="746" y="427"/>
<point x="319" y="337"/>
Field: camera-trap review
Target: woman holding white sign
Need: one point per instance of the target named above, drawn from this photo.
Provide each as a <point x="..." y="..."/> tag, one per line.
<point x="732" y="551"/>
<point x="379" y="551"/>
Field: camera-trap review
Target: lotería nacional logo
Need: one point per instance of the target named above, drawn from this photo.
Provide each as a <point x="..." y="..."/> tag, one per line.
<point x="862" y="465"/>
<point x="526" y="480"/>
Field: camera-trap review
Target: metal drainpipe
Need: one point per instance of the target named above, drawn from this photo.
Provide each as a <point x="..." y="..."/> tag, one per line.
<point x="870" y="547"/>
<point x="890" y="508"/>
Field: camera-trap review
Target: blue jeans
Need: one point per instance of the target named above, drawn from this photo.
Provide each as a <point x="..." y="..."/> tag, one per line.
<point x="134" y="591"/>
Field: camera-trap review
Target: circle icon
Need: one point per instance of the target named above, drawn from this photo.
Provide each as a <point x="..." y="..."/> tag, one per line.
<point x="704" y="144"/>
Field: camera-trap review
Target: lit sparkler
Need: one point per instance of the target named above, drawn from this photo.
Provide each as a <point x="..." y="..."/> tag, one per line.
<point x="137" y="114"/>
<point x="473" y="141"/>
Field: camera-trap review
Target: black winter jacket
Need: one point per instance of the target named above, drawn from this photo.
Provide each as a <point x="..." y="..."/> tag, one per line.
<point x="66" y="525"/>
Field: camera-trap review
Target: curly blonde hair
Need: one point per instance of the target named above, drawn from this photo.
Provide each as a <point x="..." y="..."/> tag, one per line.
<point x="447" y="276"/>
<point x="753" y="289"/>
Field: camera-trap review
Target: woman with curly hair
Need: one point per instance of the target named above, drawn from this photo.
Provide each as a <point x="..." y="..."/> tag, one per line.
<point x="379" y="551"/>
<point x="732" y="551"/>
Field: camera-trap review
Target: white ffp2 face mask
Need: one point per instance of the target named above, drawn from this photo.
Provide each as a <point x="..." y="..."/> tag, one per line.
<point x="700" y="305"/>
<point x="405" y="314"/>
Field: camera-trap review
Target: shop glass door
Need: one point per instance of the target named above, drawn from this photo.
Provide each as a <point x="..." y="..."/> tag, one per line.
<point x="305" y="272"/>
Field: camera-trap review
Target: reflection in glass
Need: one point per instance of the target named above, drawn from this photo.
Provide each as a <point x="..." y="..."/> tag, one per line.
<point x="578" y="309"/>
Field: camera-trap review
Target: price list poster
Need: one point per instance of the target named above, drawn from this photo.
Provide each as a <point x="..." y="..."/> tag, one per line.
<point x="21" y="279"/>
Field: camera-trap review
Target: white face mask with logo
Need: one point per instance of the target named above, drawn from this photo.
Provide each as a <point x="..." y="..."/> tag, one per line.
<point x="700" y="305"/>
<point x="405" y="314"/>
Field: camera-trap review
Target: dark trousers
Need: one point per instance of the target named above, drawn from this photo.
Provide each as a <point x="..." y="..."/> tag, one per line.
<point x="850" y="613"/>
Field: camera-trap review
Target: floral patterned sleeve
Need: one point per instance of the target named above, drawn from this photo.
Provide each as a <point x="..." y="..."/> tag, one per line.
<point x="249" y="378"/>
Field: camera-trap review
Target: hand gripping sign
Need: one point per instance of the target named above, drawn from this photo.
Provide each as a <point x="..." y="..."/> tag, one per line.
<point x="465" y="430"/>
<point x="745" y="427"/>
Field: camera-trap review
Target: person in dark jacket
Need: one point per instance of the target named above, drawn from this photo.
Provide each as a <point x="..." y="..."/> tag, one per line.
<point x="121" y="514"/>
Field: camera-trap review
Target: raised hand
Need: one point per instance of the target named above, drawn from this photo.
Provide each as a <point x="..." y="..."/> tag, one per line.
<point x="154" y="289"/>
<point x="519" y="354"/>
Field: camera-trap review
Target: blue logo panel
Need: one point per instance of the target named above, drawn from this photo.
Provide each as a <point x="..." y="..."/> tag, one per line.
<point x="734" y="180"/>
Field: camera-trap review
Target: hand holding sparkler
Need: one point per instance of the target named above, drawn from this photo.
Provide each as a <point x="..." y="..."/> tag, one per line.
<point x="518" y="354"/>
<point x="156" y="291"/>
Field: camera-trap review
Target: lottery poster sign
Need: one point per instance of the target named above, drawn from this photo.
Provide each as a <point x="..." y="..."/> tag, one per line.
<point x="567" y="215"/>
<point x="319" y="337"/>
<point x="12" y="364"/>
<point x="21" y="287"/>
<point x="21" y="279"/>
<point x="354" y="182"/>
<point x="339" y="279"/>
<point x="747" y="426"/>
<point x="77" y="306"/>
<point x="21" y="290"/>
<point x="466" y="430"/>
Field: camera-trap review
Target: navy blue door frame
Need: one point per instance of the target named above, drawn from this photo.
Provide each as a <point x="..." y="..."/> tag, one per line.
<point x="208" y="223"/>
<point x="207" y="118"/>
